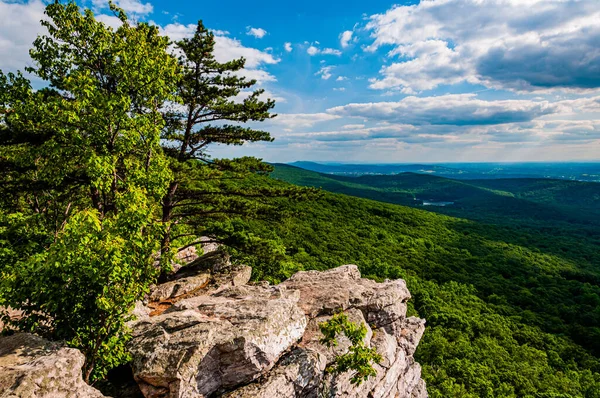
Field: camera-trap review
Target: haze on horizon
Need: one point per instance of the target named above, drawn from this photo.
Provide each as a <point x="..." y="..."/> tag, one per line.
<point x="421" y="81"/>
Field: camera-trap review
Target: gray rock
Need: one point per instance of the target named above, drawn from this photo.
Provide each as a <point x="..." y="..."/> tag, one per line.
<point x="298" y="374"/>
<point x="208" y="343"/>
<point x="264" y="341"/>
<point x="179" y="287"/>
<point x="32" y="367"/>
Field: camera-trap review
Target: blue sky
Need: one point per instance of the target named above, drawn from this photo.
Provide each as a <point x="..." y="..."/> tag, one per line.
<point x="376" y="81"/>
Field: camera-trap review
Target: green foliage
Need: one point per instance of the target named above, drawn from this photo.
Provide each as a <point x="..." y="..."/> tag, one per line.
<point x="108" y="164"/>
<point x="359" y="358"/>
<point x="511" y="310"/>
<point x="83" y="288"/>
<point x="84" y="173"/>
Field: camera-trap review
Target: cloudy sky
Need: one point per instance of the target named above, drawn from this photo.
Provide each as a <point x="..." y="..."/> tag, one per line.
<point x="374" y="81"/>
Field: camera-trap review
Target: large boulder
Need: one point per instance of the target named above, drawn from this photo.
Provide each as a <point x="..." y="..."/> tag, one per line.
<point x="211" y="343"/>
<point x="244" y="341"/>
<point x="32" y="367"/>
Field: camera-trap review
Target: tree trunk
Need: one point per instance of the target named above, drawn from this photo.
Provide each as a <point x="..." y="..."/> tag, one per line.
<point x="167" y="212"/>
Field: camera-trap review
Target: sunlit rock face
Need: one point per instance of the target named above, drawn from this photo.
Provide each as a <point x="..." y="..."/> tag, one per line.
<point x="223" y="337"/>
<point x="31" y="366"/>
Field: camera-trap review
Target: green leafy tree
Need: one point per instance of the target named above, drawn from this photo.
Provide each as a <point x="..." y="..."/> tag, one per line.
<point x="359" y="357"/>
<point x="85" y="172"/>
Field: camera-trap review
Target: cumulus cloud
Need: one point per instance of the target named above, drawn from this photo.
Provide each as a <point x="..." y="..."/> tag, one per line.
<point x="19" y="26"/>
<point x="259" y="33"/>
<point x="345" y="38"/>
<point x="549" y="133"/>
<point x="301" y="120"/>
<point x="452" y="109"/>
<point x="353" y="126"/>
<point x="131" y="7"/>
<point x="313" y="50"/>
<point x="227" y="48"/>
<point x="267" y="94"/>
<point x="288" y="46"/>
<point x="325" y="72"/>
<point x="341" y="78"/>
<point x="533" y="45"/>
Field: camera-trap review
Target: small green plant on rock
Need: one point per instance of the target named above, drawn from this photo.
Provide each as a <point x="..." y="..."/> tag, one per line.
<point x="359" y="357"/>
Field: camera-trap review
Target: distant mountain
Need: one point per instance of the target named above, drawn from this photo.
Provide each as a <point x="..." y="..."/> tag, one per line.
<point x="360" y="169"/>
<point x="504" y="201"/>
<point x="466" y="171"/>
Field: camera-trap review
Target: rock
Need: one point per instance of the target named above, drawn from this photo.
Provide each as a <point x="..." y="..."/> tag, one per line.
<point x="298" y="374"/>
<point x="340" y="288"/>
<point x="208" y="245"/>
<point x="240" y="341"/>
<point x="420" y="391"/>
<point x="409" y="333"/>
<point x="241" y="275"/>
<point x="140" y="311"/>
<point x="312" y="335"/>
<point x="31" y="366"/>
<point x="178" y="287"/>
<point x="205" y="344"/>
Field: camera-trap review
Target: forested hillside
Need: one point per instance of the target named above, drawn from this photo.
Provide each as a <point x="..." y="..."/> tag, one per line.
<point x="511" y="311"/>
<point x="520" y="201"/>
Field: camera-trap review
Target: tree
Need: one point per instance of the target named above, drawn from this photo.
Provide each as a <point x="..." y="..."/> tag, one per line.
<point x="84" y="162"/>
<point x="206" y="195"/>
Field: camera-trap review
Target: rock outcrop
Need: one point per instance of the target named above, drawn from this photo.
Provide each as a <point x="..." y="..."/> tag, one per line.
<point x="206" y="335"/>
<point x="31" y="366"/>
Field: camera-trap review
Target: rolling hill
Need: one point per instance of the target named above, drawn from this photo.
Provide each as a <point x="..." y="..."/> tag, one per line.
<point x="512" y="310"/>
<point x="522" y="201"/>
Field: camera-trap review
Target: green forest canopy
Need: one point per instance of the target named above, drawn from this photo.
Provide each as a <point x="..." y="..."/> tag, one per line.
<point x="512" y="310"/>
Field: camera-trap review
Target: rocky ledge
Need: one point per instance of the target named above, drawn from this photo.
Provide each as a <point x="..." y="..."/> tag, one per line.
<point x="207" y="333"/>
<point x="33" y="367"/>
<point x="237" y="340"/>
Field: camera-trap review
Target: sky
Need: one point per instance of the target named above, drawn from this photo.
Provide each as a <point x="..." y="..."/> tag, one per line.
<point x="383" y="82"/>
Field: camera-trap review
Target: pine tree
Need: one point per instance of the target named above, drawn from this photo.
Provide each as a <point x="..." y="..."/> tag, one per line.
<point x="206" y="193"/>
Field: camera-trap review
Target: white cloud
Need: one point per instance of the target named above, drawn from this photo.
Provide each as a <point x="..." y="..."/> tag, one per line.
<point x="267" y="94"/>
<point x="353" y="126"/>
<point x="331" y="51"/>
<point x="345" y="38"/>
<point x="227" y="49"/>
<point x="341" y="78"/>
<point x="313" y="50"/>
<point x="302" y="120"/>
<point x="339" y="89"/>
<point x="325" y="72"/>
<point x="131" y="7"/>
<point x="288" y="46"/>
<point x="259" y="33"/>
<point x="110" y="20"/>
<point x="452" y="109"/>
<point x="219" y="32"/>
<point x="19" y="26"/>
<point x="532" y="45"/>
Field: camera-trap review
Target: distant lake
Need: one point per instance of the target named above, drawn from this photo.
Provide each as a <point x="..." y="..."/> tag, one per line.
<point x="441" y="204"/>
